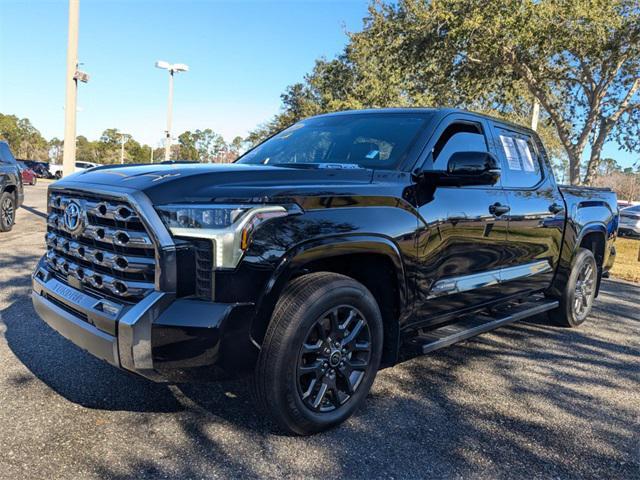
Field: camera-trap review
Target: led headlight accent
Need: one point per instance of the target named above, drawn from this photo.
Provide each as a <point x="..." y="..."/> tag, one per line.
<point x="228" y="227"/>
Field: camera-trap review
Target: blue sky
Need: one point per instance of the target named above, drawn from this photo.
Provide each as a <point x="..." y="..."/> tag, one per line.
<point x="242" y="55"/>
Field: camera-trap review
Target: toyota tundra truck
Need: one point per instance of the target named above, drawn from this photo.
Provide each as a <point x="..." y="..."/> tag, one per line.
<point x="344" y="244"/>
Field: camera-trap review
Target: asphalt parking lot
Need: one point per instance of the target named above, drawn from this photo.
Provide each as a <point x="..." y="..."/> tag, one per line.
<point x="526" y="401"/>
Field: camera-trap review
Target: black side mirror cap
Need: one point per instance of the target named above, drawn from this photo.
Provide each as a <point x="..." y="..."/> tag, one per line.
<point x="466" y="169"/>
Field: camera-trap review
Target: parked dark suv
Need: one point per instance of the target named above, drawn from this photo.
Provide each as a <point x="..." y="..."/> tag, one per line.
<point x="11" y="190"/>
<point x="344" y="244"/>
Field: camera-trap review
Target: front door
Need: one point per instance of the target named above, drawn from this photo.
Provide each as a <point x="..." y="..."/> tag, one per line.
<point x="462" y="246"/>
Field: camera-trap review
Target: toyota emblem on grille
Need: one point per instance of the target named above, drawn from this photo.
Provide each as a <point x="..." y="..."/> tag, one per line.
<point x="73" y="217"/>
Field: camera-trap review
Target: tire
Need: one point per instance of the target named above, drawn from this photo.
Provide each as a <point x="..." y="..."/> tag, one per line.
<point x="33" y="182"/>
<point x="580" y="291"/>
<point x="7" y="211"/>
<point x="310" y="306"/>
<point x="58" y="175"/>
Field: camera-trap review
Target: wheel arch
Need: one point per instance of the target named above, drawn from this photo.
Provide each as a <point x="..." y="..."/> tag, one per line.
<point x="375" y="261"/>
<point x="593" y="237"/>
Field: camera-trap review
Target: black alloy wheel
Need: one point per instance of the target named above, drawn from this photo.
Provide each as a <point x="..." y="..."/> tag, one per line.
<point x="7" y="211"/>
<point x="320" y="353"/>
<point x="579" y="292"/>
<point x="334" y="358"/>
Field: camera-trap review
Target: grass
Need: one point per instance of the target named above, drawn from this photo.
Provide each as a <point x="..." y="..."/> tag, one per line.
<point x="627" y="265"/>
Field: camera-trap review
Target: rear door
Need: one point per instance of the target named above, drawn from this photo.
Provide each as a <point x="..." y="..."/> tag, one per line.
<point x="462" y="249"/>
<point x="536" y="216"/>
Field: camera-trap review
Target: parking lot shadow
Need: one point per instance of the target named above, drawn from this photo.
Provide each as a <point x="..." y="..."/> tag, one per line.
<point x="521" y="397"/>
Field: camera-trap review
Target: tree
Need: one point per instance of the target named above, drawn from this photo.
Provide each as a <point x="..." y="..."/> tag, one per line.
<point x="188" y="149"/>
<point x="25" y="140"/>
<point x="580" y="60"/>
<point x="55" y="150"/>
<point x="625" y="183"/>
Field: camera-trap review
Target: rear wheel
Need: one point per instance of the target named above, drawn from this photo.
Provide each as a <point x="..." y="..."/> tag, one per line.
<point x="321" y="353"/>
<point x="33" y="182"/>
<point x="580" y="291"/>
<point x="7" y="211"/>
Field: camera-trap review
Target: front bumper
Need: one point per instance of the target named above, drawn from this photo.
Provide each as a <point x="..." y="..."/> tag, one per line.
<point x="162" y="338"/>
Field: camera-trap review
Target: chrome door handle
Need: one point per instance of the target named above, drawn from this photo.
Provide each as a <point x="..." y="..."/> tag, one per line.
<point x="498" y="209"/>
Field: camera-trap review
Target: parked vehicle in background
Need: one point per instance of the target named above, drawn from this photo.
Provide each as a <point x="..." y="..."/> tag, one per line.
<point x="630" y="221"/>
<point x="29" y="177"/>
<point x="11" y="190"/>
<point x="344" y="244"/>
<point x="56" y="170"/>
<point x="41" y="169"/>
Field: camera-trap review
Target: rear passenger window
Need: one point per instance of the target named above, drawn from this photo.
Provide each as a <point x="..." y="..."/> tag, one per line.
<point x="521" y="166"/>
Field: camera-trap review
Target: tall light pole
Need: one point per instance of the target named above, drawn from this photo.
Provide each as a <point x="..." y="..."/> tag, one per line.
<point x="171" y="68"/>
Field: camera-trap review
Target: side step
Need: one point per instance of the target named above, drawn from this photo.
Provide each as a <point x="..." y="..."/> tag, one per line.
<point x="473" y="325"/>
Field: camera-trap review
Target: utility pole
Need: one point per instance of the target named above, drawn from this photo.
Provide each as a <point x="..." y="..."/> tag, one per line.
<point x="151" y="156"/>
<point x="535" y="115"/>
<point x="69" y="155"/>
<point x="123" y="140"/>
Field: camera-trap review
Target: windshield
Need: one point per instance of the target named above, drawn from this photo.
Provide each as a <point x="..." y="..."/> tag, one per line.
<point x="358" y="140"/>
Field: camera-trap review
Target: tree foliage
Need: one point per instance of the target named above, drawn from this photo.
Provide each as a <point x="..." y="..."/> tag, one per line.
<point x="579" y="59"/>
<point x="25" y="140"/>
<point x="201" y="145"/>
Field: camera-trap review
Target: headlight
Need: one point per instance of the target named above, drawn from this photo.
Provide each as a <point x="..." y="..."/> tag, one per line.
<point x="228" y="227"/>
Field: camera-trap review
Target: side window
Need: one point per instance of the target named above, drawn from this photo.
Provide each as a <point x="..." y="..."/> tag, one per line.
<point x="5" y="154"/>
<point x="458" y="137"/>
<point x="521" y="167"/>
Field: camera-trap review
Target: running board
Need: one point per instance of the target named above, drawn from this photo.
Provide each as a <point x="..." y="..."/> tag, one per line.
<point x="477" y="324"/>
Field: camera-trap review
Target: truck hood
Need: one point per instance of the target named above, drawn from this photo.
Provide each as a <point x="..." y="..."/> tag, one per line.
<point x="207" y="182"/>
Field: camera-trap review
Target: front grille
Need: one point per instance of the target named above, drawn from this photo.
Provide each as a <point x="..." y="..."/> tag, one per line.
<point x="109" y="254"/>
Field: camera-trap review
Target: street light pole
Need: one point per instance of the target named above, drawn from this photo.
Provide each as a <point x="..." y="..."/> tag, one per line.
<point x="172" y="68"/>
<point x="69" y="153"/>
<point x="167" y="146"/>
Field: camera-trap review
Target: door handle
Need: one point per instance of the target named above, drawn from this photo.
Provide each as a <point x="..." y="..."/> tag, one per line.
<point x="556" y="208"/>
<point x="498" y="209"/>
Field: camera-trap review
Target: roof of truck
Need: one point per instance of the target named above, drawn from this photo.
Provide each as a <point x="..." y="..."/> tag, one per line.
<point x="439" y="112"/>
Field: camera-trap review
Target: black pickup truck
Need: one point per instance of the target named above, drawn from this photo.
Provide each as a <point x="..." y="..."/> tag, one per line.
<point x="343" y="244"/>
<point x="11" y="188"/>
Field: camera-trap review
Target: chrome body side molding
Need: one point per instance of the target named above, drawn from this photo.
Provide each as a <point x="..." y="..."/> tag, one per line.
<point x="465" y="283"/>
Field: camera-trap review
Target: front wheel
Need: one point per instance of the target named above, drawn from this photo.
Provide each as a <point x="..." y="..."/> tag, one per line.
<point x="320" y="354"/>
<point x="7" y="211"/>
<point x="580" y="291"/>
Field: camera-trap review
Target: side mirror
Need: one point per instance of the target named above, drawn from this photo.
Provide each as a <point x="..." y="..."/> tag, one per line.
<point x="470" y="168"/>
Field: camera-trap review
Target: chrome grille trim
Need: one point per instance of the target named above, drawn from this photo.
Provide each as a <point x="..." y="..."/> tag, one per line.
<point x="104" y="258"/>
<point x="112" y="254"/>
<point x="101" y="281"/>
<point x="100" y="233"/>
<point x="101" y="209"/>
